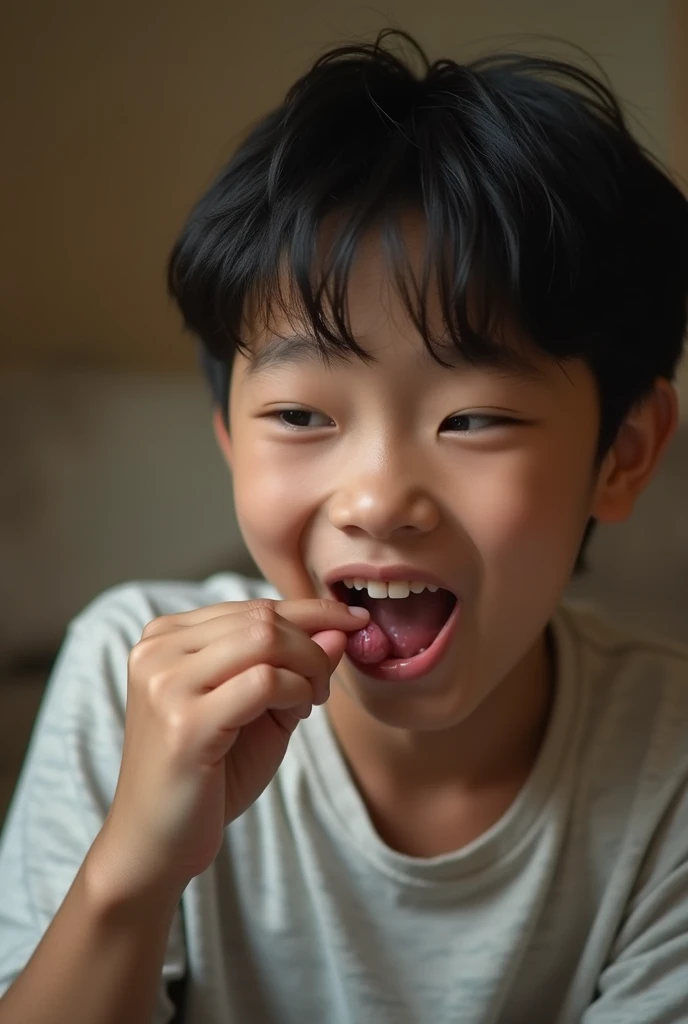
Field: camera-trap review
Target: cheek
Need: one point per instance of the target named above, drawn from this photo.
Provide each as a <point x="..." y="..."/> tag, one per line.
<point x="273" y="506"/>
<point x="526" y="517"/>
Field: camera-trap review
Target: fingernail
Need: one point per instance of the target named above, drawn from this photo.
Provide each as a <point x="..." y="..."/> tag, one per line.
<point x="359" y="613"/>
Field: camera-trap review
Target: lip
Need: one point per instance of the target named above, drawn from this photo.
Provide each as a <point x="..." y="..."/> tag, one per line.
<point x="402" y="670"/>
<point x="386" y="573"/>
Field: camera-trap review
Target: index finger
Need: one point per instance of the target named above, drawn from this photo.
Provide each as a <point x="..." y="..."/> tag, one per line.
<point x="310" y="614"/>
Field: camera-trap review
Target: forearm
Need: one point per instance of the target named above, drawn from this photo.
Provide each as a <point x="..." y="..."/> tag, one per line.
<point x="99" y="962"/>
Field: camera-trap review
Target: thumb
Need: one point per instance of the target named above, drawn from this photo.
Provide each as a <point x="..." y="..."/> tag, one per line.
<point x="333" y="643"/>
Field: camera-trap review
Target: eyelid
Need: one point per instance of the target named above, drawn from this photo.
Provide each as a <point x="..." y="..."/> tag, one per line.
<point x="493" y="419"/>
<point x="490" y="419"/>
<point x="276" y="414"/>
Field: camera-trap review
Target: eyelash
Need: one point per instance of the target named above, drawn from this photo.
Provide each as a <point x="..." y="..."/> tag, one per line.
<point x="492" y="421"/>
<point x="299" y="412"/>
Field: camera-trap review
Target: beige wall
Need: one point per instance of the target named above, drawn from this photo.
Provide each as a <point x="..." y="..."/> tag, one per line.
<point x="116" y="114"/>
<point x="678" y="89"/>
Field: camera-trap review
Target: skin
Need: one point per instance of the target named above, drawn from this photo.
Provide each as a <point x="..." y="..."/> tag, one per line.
<point x="496" y="505"/>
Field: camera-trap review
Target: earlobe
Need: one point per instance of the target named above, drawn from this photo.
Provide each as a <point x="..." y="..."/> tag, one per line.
<point x="222" y="436"/>
<point x="636" y="453"/>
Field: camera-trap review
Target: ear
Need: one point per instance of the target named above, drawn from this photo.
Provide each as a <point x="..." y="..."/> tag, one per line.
<point x="636" y="453"/>
<point x="222" y="436"/>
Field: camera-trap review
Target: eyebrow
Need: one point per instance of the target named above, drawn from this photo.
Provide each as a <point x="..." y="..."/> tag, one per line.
<point x="294" y="350"/>
<point x="301" y="350"/>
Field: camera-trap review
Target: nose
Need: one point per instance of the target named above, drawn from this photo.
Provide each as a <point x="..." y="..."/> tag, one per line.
<point x="383" y="504"/>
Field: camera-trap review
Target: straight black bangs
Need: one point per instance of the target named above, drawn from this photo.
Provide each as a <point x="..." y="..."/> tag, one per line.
<point x="539" y="211"/>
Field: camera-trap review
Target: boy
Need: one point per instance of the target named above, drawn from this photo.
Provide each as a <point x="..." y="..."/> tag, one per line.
<point x="440" y="315"/>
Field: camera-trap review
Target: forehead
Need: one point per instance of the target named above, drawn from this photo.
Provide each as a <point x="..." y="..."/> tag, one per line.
<point x="372" y="321"/>
<point x="273" y="353"/>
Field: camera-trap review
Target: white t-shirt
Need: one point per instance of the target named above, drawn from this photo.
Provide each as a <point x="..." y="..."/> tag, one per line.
<point x="573" y="907"/>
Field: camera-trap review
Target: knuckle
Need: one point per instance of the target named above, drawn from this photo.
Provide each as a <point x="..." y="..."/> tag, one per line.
<point x="148" y="675"/>
<point x="262" y="609"/>
<point x="265" y="679"/>
<point x="159" y="683"/>
<point x="140" y="654"/>
<point x="266" y="633"/>
<point x="156" y="626"/>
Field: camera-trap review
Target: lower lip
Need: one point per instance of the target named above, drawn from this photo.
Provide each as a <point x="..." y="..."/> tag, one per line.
<point x="407" y="669"/>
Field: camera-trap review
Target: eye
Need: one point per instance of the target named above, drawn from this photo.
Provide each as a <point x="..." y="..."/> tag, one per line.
<point x="297" y="419"/>
<point x="473" y="423"/>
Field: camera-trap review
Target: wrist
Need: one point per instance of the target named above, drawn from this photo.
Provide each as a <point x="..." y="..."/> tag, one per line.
<point x="118" y="890"/>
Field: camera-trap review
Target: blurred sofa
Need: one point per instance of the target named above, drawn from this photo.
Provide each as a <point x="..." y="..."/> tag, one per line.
<point x="106" y="477"/>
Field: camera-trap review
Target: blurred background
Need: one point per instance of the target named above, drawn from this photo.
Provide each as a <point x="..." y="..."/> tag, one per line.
<point x="115" y="116"/>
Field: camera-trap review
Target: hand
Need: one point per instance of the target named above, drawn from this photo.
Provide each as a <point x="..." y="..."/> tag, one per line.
<point x="213" y="698"/>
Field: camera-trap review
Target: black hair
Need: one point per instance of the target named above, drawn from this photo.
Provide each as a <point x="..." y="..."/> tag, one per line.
<point x="541" y="209"/>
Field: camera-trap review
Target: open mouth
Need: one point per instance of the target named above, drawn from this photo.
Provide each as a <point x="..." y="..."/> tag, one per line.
<point x="406" y="618"/>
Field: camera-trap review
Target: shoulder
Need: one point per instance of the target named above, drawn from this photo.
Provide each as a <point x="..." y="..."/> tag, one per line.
<point x="625" y="657"/>
<point x="640" y="675"/>
<point x="89" y="677"/>
<point x="634" y="690"/>
<point x="629" y="769"/>
<point x="124" y="610"/>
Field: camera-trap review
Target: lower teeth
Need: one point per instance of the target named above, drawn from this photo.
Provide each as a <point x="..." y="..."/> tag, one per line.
<point x="422" y="650"/>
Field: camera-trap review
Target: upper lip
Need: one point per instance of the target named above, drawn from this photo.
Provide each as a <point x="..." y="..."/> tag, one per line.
<point x="387" y="573"/>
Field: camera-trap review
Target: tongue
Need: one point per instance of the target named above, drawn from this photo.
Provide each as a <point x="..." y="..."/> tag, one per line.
<point x="399" y="627"/>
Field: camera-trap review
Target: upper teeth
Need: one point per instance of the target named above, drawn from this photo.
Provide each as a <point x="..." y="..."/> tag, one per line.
<point x="397" y="588"/>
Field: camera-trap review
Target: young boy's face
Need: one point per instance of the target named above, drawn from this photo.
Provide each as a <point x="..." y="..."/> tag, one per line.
<point x="483" y="479"/>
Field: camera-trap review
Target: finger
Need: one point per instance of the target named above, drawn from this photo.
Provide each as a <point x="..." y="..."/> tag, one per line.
<point x="195" y="616"/>
<point x="275" y="643"/>
<point x="309" y="614"/>
<point x="249" y="695"/>
<point x="196" y="636"/>
<point x="333" y="643"/>
<point x="191" y="639"/>
<point x="319" y="614"/>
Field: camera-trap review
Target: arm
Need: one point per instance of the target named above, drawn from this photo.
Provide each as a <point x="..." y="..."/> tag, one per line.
<point x="54" y="903"/>
<point x="99" y="961"/>
<point x="646" y="979"/>
<point x="90" y="882"/>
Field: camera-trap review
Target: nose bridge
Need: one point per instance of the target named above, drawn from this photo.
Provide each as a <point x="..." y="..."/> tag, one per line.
<point x="384" y="486"/>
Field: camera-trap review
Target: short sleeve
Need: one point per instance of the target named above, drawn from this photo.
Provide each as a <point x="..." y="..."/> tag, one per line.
<point x="67" y="784"/>
<point x="646" y="978"/>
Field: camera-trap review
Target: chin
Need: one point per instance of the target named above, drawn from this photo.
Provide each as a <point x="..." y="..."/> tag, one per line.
<point x="439" y="701"/>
